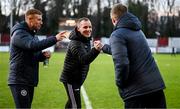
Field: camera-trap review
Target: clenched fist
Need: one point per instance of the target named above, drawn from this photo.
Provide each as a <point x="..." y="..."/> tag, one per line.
<point x="98" y="45"/>
<point x="61" y="35"/>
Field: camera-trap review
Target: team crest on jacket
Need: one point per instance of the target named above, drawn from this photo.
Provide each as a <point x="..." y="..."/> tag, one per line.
<point x="23" y="92"/>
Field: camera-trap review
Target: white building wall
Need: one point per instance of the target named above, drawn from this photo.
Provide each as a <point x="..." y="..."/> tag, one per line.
<point x="173" y="42"/>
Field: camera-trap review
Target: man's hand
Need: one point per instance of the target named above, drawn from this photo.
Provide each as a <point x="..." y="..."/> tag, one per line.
<point x="47" y="54"/>
<point x="98" y="45"/>
<point x="61" y="35"/>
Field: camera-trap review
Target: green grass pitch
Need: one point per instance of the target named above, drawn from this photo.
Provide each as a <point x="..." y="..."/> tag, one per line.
<point x="99" y="85"/>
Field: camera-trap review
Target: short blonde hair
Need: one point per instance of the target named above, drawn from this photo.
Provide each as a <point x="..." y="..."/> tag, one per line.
<point x="118" y="10"/>
<point x="33" y="12"/>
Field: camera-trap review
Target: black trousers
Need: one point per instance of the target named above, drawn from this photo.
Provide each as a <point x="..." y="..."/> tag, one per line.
<point x="152" y="100"/>
<point x="74" y="98"/>
<point x="23" y="95"/>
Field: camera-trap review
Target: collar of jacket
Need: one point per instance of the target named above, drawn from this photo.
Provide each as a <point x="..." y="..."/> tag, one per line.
<point x="22" y="26"/>
<point x="33" y="32"/>
<point x="128" y="20"/>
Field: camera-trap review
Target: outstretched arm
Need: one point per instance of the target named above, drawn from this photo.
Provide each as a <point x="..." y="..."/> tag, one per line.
<point x="107" y="49"/>
<point x="83" y="56"/>
<point x="24" y="40"/>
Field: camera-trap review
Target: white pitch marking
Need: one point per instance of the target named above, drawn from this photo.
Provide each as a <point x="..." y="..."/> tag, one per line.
<point x="86" y="99"/>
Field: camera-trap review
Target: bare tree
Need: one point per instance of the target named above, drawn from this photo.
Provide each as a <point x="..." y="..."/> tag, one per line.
<point x="3" y="22"/>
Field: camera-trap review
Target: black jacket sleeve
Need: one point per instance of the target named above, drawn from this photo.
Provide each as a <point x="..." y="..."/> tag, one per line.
<point x="26" y="41"/>
<point x="107" y="49"/>
<point x="79" y="51"/>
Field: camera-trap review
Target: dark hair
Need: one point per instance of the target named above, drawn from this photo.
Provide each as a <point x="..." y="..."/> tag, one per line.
<point x="82" y="19"/>
<point x="32" y="12"/>
<point x="118" y="10"/>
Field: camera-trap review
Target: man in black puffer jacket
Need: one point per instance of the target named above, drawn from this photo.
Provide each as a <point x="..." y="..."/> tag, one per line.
<point x="78" y="58"/>
<point x="25" y="55"/>
<point x="136" y="73"/>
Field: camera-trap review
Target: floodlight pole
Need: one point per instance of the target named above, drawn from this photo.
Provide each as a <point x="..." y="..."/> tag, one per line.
<point x="11" y="21"/>
<point x="11" y="16"/>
